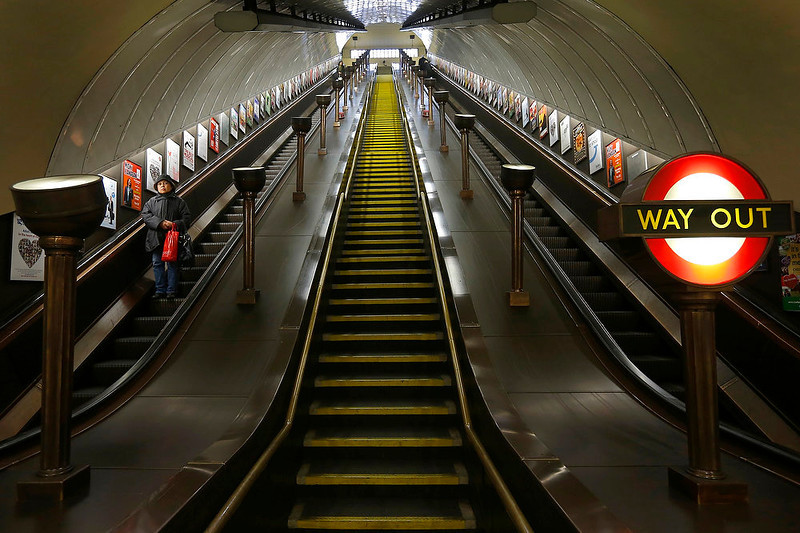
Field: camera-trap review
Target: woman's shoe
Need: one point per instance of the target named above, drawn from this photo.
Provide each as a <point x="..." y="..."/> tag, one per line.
<point x="171" y="295"/>
<point x="158" y="295"/>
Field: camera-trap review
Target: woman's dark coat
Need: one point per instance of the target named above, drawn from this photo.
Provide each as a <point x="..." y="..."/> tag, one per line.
<point x="164" y="207"/>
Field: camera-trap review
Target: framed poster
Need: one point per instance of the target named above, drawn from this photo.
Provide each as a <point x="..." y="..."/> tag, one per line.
<point x="263" y="102"/>
<point x="110" y="218"/>
<point x="553" y="126"/>
<point x="234" y="129"/>
<point x="249" y="109"/>
<point x="131" y="185"/>
<point x="173" y="160"/>
<point x="543" y="122"/>
<point x="202" y="142"/>
<point x="789" y="254"/>
<point x="268" y="104"/>
<point x="243" y="118"/>
<point x="595" y="152"/>
<point x="511" y="99"/>
<point x="256" y="110"/>
<point x="614" y="162"/>
<point x="153" y="162"/>
<point x="525" y="112"/>
<point x="532" y="114"/>
<point x="213" y="135"/>
<point x="566" y="139"/>
<point x="518" y="108"/>
<point x="505" y="100"/>
<point x="579" y="139"/>
<point x="224" y="128"/>
<point x="188" y="150"/>
<point x="27" y="257"/>
<point x="636" y="163"/>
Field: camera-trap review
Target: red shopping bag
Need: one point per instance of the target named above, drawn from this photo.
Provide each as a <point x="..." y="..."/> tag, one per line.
<point x="170" y="253"/>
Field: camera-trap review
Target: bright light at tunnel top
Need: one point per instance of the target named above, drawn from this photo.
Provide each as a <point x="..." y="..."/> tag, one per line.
<point x="705" y="250"/>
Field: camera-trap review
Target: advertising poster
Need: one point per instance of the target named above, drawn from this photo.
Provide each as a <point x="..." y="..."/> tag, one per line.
<point x="27" y="257"/>
<point x="188" y="150"/>
<point x="595" y="153"/>
<point x="518" y="108"/>
<point x="614" y="162"/>
<point x="110" y="218"/>
<point x="173" y="152"/>
<point x="152" y="161"/>
<point x="636" y="163"/>
<point x="256" y="110"/>
<point x="249" y="115"/>
<point x="566" y="140"/>
<point x="234" y="129"/>
<point x="499" y="95"/>
<point x="789" y="254"/>
<point x="243" y="118"/>
<point x="131" y="185"/>
<point x="532" y="114"/>
<point x="264" y="104"/>
<point x="224" y="128"/>
<point x="525" y="112"/>
<point x="579" y="139"/>
<point x="553" y="126"/>
<point x="511" y="98"/>
<point x="543" y="122"/>
<point x="505" y="100"/>
<point x="268" y="104"/>
<point x="202" y="142"/>
<point x="213" y="135"/>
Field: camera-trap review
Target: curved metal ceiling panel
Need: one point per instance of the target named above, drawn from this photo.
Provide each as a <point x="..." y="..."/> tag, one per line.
<point x="581" y="59"/>
<point x="174" y="72"/>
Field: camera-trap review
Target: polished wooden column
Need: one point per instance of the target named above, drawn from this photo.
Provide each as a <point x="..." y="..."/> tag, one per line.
<point x="249" y="181"/>
<point x="517" y="179"/>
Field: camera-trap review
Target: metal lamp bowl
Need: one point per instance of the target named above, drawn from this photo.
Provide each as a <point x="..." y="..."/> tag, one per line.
<point x="430" y="82"/>
<point x="70" y="206"/>
<point x="249" y="179"/>
<point x="338" y="83"/>
<point x="517" y="177"/>
<point x="323" y="99"/>
<point x="441" y="97"/>
<point x="301" y="124"/>
<point x="464" y="121"/>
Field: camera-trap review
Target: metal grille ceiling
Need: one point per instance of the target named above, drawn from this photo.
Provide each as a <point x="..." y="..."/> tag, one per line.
<point x="366" y="11"/>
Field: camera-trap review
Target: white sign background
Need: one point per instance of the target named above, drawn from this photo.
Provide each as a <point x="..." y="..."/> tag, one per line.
<point x="595" y="151"/>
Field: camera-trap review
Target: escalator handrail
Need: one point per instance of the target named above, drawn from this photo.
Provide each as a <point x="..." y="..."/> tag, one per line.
<point x="176" y="319"/>
<point x="240" y="493"/>
<point x="19" y="323"/>
<point x="509" y="503"/>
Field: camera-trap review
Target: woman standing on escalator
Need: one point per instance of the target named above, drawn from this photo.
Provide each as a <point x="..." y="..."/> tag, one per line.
<point x="160" y="214"/>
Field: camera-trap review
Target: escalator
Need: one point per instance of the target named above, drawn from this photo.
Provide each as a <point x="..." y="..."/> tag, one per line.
<point x="378" y="441"/>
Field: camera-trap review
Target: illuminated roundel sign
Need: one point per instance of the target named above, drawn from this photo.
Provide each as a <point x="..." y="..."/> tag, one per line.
<point x="706" y="219"/>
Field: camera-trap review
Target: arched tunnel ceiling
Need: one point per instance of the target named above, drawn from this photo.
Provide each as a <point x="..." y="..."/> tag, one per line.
<point x="737" y="62"/>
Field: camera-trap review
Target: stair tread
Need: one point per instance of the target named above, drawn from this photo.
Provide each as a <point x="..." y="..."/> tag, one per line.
<point x="381" y="406"/>
<point x="380" y="471"/>
<point x="395" y="436"/>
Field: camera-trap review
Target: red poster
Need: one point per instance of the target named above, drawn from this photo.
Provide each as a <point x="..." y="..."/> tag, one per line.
<point x="614" y="162"/>
<point x="213" y="135"/>
<point x="131" y="185"/>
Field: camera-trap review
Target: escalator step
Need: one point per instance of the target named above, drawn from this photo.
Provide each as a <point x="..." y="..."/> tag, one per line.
<point x="638" y="342"/>
<point x="382" y="406"/>
<point x="556" y="242"/>
<point x="416" y="471"/>
<point x="131" y="347"/>
<point x="567" y="254"/>
<point x="578" y="268"/>
<point x="364" y="436"/>
<point x="605" y="301"/>
<point x="592" y="284"/>
<point x="383" y="381"/>
<point x="192" y="273"/>
<point x="620" y="320"/>
<point x="148" y="326"/>
<point x="659" y="368"/>
<point x="105" y="373"/>
<point x="382" y="357"/>
<point x="382" y="514"/>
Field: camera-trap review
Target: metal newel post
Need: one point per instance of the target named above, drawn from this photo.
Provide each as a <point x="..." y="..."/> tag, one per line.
<point x="414" y="76"/>
<point x="517" y="179"/>
<point x="301" y="126"/>
<point x="442" y="97"/>
<point x="430" y="83"/>
<point x="62" y="211"/>
<point x="249" y="181"/>
<point x="464" y="123"/>
<point x="337" y="86"/>
<point x="698" y="336"/>
<point x="347" y="76"/>
<point x="323" y="101"/>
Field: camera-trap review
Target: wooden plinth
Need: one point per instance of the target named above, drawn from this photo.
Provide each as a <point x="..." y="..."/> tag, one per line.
<point x="55" y="488"/>
<point x="519" y="298"/>
<point x="707" y="491"/>
<point x="247" y="296"/>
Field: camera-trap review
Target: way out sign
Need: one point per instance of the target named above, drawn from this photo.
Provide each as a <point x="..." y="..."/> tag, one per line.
<point x="706" y="219"/>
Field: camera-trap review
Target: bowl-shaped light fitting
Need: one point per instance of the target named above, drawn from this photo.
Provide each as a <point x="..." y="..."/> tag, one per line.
<point x="70" y="206"/>
<point x="517" y="177"/>
<point x="249" y="179"/>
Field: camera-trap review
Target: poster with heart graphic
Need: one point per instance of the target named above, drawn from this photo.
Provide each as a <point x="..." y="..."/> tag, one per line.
<point x="27" y="257"/>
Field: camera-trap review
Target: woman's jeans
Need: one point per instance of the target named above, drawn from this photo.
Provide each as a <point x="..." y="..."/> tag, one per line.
<point x="166" y="282"/>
